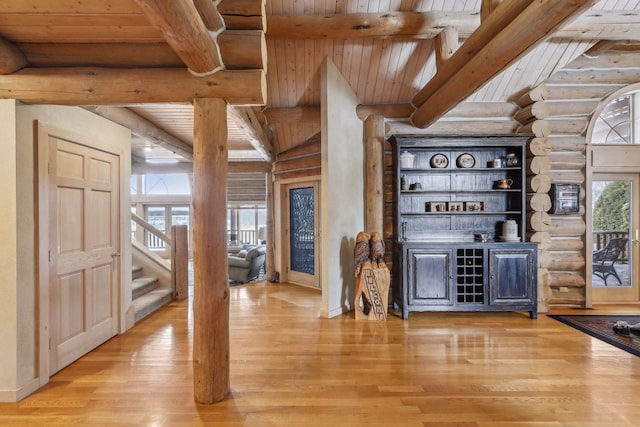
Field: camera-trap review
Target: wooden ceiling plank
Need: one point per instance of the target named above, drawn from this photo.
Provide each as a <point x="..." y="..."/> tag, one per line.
<point x="183" y="29"/>
<point x="293" y="114"/>
<point x="384" y="86"/>
<point x="522" y="33"/>
<point x="105" y="86"/>
<point x="144" y="129"/>
<point x="11" y="58"/>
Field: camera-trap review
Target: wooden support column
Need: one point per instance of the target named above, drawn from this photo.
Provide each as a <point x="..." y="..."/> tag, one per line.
<point x="374" y="170"/>
<point x="270" y="263"/>
<point x="180" y="261"/>
<point x="211" y="285"/>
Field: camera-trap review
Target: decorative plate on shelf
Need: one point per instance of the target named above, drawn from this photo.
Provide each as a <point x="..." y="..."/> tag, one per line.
<point x="465" y="160"/>
<point x="439" y="161"/>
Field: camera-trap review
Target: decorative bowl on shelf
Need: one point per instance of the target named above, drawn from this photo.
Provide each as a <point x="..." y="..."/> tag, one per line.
<point x="439" y="161"/>
<point x="465" y="160"/>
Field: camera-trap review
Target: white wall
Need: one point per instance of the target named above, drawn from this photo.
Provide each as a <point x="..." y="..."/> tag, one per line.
<point x="19" y="308"/>
<point x="8" y="250"/>
<point x="342" y="190"/>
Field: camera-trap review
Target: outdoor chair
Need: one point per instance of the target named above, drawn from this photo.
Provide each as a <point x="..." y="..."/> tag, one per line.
<point x="605" y="258"/>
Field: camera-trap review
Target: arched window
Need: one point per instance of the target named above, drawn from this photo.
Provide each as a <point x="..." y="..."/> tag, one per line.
<point x="615" y="124"/>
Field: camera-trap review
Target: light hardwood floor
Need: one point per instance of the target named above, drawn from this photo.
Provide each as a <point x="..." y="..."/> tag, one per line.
<point x="290" y="367"/>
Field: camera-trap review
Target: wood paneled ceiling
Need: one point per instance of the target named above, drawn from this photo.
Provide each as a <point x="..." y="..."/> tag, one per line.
<point x="388" y="50"/>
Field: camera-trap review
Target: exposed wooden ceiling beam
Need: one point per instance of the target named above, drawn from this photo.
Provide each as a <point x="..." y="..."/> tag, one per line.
<point x="596" y="25"/>
<point x="11" y="58"/>
<point x="144" y="129"/>
<point x="388" y="111"/>
<point x="627" y="46"/>
<point x="447" y="43"/>
<point x="243" y="14"/>
<point x="523" y="32"/>
<point x="209" y="14"/>
<point x="369" y="25"/>
<point x="479" y="39"/>
<point x="248" y="123"/>
<point x="96" y="54"/>
<point x="487" y="7"/>
<point x="106" y="86"/>
<point x="183" y="29"/>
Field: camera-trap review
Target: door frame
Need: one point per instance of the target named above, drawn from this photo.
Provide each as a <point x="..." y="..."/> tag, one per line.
<point x="284" y="188"/>
<point x="125" y="318"/>
<point x="604" y="159"/>
<point x="618" y="295"/>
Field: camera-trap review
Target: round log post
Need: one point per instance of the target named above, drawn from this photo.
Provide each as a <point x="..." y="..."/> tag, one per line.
<point x="270" y="258"/>
<point x="211" y="273"/>
<point x="374" y="170"/>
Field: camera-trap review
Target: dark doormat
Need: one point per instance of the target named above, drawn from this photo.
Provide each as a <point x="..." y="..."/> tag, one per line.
<point x="601" y="327"/>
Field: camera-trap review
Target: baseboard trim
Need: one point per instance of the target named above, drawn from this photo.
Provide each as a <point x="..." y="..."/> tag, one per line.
<point x="18" y="394"/>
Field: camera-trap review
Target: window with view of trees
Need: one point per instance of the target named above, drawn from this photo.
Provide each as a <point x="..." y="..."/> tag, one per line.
<point x="611" y="207"/>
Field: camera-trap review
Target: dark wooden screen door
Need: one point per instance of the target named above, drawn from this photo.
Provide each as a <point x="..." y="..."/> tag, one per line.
<point x="302" y="232"/>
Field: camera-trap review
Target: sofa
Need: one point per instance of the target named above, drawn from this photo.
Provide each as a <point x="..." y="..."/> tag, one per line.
<point x="247" y="264"/>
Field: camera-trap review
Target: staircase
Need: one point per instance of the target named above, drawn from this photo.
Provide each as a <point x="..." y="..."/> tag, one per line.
<point x="147" y="296"/>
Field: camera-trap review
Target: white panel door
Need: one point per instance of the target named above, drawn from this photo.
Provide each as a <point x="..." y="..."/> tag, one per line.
<point x="84" y="263"/>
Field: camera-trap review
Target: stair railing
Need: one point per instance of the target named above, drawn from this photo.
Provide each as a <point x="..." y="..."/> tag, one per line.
<point x="179" y="251"/>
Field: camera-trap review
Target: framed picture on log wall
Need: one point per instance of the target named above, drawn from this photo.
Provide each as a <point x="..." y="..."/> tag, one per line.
<point x="565" y="198"/>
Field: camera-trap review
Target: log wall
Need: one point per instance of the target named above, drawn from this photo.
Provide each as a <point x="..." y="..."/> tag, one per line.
<point x="303" y="161"/>
<point x="558" y="113"/>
